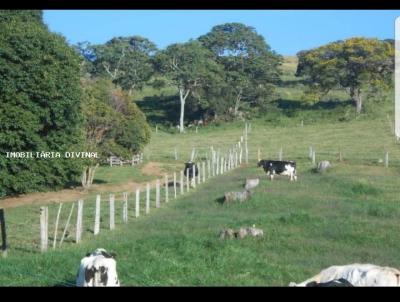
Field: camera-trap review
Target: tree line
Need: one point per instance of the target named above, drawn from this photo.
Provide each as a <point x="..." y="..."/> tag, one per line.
<point x="57" y="97"/>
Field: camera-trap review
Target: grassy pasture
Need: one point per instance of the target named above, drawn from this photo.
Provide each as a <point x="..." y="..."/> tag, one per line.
<point x="350" y="214"/>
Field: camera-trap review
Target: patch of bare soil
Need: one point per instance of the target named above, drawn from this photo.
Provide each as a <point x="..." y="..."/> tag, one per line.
<point x="152" y="168"/>
<point x="68" y="195"/>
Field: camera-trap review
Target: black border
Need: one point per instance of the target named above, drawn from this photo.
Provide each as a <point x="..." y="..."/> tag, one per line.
<point x="203" y="4"/>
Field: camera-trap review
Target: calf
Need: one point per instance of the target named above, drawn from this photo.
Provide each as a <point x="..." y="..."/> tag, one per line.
<point x="98" y="269"/>
<point x="272" y="167"/>
<point x="357" y="275"/>
<point x="189" y="169"/>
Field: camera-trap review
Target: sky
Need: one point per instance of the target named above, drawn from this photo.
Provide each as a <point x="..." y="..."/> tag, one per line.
<point x="286" y="31"/>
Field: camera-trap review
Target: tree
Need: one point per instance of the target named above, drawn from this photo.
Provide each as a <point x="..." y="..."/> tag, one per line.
<point x="188" y="66"/>
<point x="352" y="65"/>
<point x="114" y="125"/>
<point x="127" y="61"/>
<point x="250" y="67"/>
<point x="40" y="104"/>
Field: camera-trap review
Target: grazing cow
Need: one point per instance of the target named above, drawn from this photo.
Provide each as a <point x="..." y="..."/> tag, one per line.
<point x="272" y="167"/>
<point x="98" y="269"/>
<point x="189" y="165"/>
<point x="357" y="275"/>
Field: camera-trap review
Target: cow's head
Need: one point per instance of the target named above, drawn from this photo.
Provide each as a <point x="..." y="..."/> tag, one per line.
<point x="261" y="163"/>
<point x="102" y="252"/>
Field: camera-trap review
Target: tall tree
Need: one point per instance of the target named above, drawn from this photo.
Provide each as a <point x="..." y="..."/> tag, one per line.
<point x="251" y="68"/>
<point x="114" y="125"/>
<point x="189" y="66"/>
<point x="127" y="61"/>
<point x="40" y="104"/>
<point x="353" y="65"/>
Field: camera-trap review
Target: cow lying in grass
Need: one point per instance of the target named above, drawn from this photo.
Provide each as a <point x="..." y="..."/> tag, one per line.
<point x="356" y="275"/>
<point x="98" y="269"/>
<point x="273" y="167"/>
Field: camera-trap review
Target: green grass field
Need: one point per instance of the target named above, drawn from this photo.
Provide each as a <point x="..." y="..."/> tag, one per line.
<point x="349" y="214"/>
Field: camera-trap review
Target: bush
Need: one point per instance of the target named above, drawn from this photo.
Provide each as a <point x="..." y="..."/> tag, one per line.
<point x="40" y="99"/>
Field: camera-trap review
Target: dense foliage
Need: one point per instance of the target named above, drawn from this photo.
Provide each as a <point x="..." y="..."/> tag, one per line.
<point x="40" y="98"/>
<point x="355" y="65"/>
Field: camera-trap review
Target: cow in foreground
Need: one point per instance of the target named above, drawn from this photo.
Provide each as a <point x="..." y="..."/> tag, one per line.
<point x="278" y="167"/>
<point x="189" y="171"/>
<point x="98" y="269"/>
<point x="357" y="275"/>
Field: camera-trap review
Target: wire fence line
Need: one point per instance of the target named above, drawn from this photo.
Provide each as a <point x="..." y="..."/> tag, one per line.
<point x="70" y="224"/>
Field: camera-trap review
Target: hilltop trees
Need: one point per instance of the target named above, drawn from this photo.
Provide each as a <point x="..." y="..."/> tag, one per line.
<point x="189" y="66"/>
<point x="353" y="65"/>
<point x="40" y="97"/>
<point x="250" y="67"/>
<point x="127" y="61"/>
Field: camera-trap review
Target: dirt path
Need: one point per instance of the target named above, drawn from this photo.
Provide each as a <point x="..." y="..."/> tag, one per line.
<point x="71" y="195"/>
<point x="153" y="168"/>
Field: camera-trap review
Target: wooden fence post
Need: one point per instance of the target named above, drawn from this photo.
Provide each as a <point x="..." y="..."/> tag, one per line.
<point x="187" y="180"/>
<point x="208" y="169"/>
<point x="176" y="154"/>
<point x="175" y="185"/>
<point x="166" y="188"/>
<point x="97" y="216"/>
<point x="156" y="129"/>
<point x="3" y="234"/>
<point x="112" y="211"/>
<point x="67" y="224"/>
<point x="310" y="152"/>
<point x="194" y="175"/>
<point x="157" y="193"/>
<point x="199" y="174"/>
<point x="147" y="198"/>
<point x="43" y="228"/>
<point x="125" y="208"/>
<point x="181" y="182"/>
<point x="247" y="151"/>
<point x="236" y="158"/>
<point x="137" y="207"/>
<point x="240" y="155"/>
<point x="387" y="159"/>
<point x="280" y="153"/>
<point x="313" y="157"/>
<point x="203" y="166"/>
<point x="79" y="222"/>
<point x="56" y="226"/>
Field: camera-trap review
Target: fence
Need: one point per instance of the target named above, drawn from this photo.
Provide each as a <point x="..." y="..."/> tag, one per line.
<point x="116" y="161"/>
<point x="106" y="212"/>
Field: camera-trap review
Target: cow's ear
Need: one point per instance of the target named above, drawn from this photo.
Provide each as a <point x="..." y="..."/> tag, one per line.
<point x="113" y="255"/>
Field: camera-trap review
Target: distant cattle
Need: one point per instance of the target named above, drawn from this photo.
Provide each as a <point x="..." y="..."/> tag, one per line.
<point x="356" y="275"/>
<point x="272" y="167"/>
<point x="189" y="169"/>
<point x="98" y="269"/>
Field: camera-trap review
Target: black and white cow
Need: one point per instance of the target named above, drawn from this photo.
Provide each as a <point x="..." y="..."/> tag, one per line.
<point x="189" y="168"/>
<point x="98" y="269"/>
<point x="272" y="167"/>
